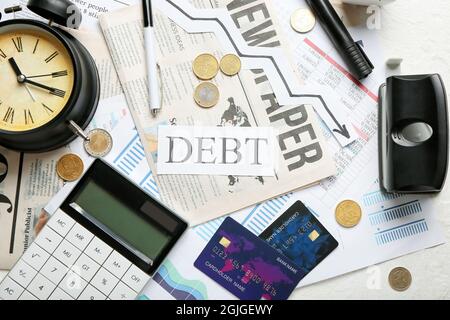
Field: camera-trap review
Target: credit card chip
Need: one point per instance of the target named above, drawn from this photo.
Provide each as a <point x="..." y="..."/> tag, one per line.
<point x="225" y="242"/>
<point x="314" y="235"/>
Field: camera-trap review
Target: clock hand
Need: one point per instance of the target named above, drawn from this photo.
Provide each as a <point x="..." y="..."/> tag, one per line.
<point x="51" y="90"/>
<point x="16" y="68"/>
<point x="53" y="74"/>
<point x="30" y="93"/>
<point x="20" y="76"/>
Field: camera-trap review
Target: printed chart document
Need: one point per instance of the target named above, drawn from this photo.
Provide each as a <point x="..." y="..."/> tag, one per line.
<point x="303" y="157"/>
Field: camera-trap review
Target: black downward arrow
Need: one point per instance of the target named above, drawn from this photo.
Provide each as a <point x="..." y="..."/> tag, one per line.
<point x="341" y="128"/>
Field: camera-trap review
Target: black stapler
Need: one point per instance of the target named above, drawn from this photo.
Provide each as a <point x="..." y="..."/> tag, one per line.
<point x="413" y="134"/>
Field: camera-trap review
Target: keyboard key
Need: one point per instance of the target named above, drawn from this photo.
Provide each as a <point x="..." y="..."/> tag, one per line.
<point x="22" y="273"/>
<point x="135" y="278"/>
<point x="104" y="281"/>
<point x="41" y="287"/>
<point x="61" y="223"/>
<point x="85" y="267"/>
<point x="59" y="294"/>
<point x="79" y="237"/>
<point x="73" y="284"/>
<point x="122" y="292"/>
<point x="48" y="240"/>
<point x="10" y="290"/>
<point x="67" y="253"/>
<point x="54" y="270"/>
<point x="35" y="256"/>
<point x="26" y="296"/>
<point x="98" y="250"/>
<point x="117" y="264"/>
<point x="90" y="293"/>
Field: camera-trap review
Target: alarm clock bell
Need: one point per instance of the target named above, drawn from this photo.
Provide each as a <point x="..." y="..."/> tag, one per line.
<point x="62" y="12"/>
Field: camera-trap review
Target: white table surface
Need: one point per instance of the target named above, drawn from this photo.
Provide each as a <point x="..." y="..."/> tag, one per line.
<point x="417" y="31"/>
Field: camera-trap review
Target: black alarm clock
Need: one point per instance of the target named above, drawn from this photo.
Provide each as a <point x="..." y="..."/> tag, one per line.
<point x="49" y="82"/>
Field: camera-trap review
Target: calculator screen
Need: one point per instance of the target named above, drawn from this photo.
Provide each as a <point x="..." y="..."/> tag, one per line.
<point x="123" y="221"/>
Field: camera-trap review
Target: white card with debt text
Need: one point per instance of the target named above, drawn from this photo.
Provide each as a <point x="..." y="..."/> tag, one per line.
<point x="229" y="151"/>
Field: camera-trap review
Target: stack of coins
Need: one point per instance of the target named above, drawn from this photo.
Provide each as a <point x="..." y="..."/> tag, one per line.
<point x="206" y="67"/>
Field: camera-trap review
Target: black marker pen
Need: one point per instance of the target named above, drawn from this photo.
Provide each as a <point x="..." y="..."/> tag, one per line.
<point x="358" y="63"/>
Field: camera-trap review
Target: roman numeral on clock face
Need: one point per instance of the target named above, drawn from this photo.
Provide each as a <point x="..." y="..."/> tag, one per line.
<point x="51" y="57"/>
<point x="36" y="46"/>
<point x="28" y="117"/>
<point x="9" y="116"/>
<point x="47" y="108"/>
<point x="2" y="54"/>
<point x="18" y="44"/>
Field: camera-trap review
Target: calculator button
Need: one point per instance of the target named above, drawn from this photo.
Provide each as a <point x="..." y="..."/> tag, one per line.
<point x="67" y="253"/>
<point x="10" y="290"/>
<point x="122" y="292"/>
<point x="135" y="278"/>
<point x="26" y="296"/>
<point x="35" y="256"/>
<point x="48" y="240"/>
<point x="85" y="267"/>
<point x="73" y="284"/>
<point x="61" y="223"/>
<point x="41" y="287"/>
<point x="79" y="237"/>
<point x="54" y="270"/>
<point x="98" y="250"/>
<point x="59" y="294"/>
<point x="104" y="281"/>
<point x="117" y="264"/>
<point x="22" y="273"/>
<point x="90" y="293"/>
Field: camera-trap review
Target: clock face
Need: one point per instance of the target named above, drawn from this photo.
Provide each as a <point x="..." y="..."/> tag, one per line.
<point x="36" y="77"/>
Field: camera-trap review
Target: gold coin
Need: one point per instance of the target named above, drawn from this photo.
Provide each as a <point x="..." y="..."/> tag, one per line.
<point x="348" y="213"/>
<point x="206" y="95"/>
<point x="99" y="144"/>
<point x="400" y="279"/>
<point x="70" y="167"/>
<point x="230" y="65"/>
<point x="206" y="66"/>
<point x="303" y="20"/>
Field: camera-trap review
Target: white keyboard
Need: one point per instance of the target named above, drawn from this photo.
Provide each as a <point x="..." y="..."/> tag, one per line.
<point x="67" y="262"/>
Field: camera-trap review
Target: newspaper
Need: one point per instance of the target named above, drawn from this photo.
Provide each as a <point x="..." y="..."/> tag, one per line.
<point x="303" y="156"/>
<point x="30" y="180"/>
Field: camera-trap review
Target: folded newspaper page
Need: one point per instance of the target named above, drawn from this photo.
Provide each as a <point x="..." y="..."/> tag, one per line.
<point x="303" y="156"/>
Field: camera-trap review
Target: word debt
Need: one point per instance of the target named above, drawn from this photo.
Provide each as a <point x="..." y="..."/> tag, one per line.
<point x="229" y="151"/>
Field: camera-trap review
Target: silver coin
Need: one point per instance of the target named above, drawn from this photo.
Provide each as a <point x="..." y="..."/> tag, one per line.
<point x="100" y="143"/>
<point x="303" y="20"/>
<point x="3" y="169"/>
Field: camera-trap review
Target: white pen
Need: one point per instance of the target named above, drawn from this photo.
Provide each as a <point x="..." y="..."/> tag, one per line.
<point x="150" y="43"/>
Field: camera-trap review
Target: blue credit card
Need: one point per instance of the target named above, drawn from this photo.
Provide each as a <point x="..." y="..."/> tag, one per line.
<point x="301" y="237"/>
<point x="247" y="266"/>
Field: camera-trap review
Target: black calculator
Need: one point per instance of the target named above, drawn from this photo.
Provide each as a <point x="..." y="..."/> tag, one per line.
<point x="104" y="243"/>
